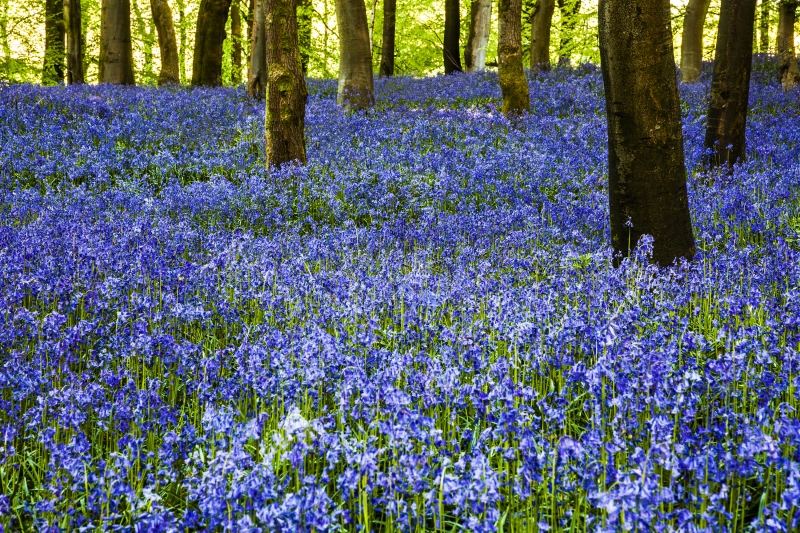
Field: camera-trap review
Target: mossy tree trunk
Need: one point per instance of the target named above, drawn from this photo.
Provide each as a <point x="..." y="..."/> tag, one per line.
<point x="54" y="50"/>
<point x="116" y="53"/>
<point x="72" y="23"/>
<point x="451" y="50"/>
<point x="787" y="60"/>
<point x="257" y="74"/>
<point x="480" y="26"/>
<point x="386" y="69"/>
<point x="541" y="26"/>
<point x="207" y="64"/>
<point x="692" y="40"/>
<point x="167" y="43"/>
<point x="514" y="84"/>
<point x="356" y="86"/>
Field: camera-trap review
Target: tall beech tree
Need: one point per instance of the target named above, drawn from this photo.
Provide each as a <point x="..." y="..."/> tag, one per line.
<point x="305" y="11"/>
<point x="356" y="89"/>
<point x="386" y="68"/>
<point x="692" y="40"/>
<point x="569" y="21"/>
<point x="787" y="61"/>
<point x="451" y="50"/>
<point x="73" y="25"/>
<point x="167" y="43"/>
<point x="257" y="74"/>
<point x="730" y="83"/>
<point x="763" y="24"/>
<point x="480" y="26"/>
<point x="646" y="172"/>
<point x="286" y="86"/>
<point x="116" y="53"/>
<point x="207" y="64"/>
<point x="236" y="44"/>
<point x="513" y="83"/>
<point x="54" y="34"/>
<point x="541" y="25"/>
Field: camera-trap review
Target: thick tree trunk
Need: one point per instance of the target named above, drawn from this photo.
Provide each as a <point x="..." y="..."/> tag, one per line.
<point x="211" y="20"/>
<point x="646" y="173"/>
<point x="387" y="45"/>
<point x="72" y="22"/>
<point x="569" y="20"/>
<point x="692" y="40"/>
<point x="167" y="44"/>
<point x="763" y="24"/>
<point x="286" y="86"/>
<point x="480" y="26"/>
<point x="452" y="31"/>
<point x="356" y="90"/>
<point x="54" y="52"/>
<point x="236" y="45"/>
<point x="787" y="60"/>
<point x="516" y="98"/>
<point x="730" y="83"/>
<point x="116" y="54"/>
<point x="257" y="76"/>
<point x="541" y="24"/>
<point x="304" y="25"/>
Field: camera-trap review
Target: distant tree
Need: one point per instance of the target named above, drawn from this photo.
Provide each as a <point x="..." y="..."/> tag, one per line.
<point x="569" y="21"/>
<point x="764" y="26"/>
<point x="356" y="89"/>
<point x="54" y="52"/>
<point x="451" y="50"/>
<point x="182" y="43"/>
<point x="692" y="39"/>
<point x="730" y="83"/>
<point x="386" y="68"/>
<point x="72" y="23"/>
<point x="236" y="44"/>
<point x="257" y="75"/>
<point x="207" y="64"/>
<point x="167" y="43"/>
<point x="116" y="53"/>
<point x="646" y="173"/>
<point x="304" y="25"/>
<point x="480" y="26"/>
<point x="787" y="61"/>
<point x="514" y="84"/>
<point x="147" y="36"/>
<point x="541" y="25"/>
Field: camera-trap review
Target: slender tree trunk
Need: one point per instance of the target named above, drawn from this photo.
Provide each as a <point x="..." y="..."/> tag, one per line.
<point x="167" y="44"/>
<point x="236" y="45"/>
<point x="286" y="86"/>
<point x="147" y="42"/>
<point x="304" y="23"/>
<point x="569" y="20"/>
<point x="116" y="54"/>
<point x="764" y="26"/>
<point x="387" y="46"/>
<point x="692" y="40"/>
<point x="182" y="35"/>
<point x="452" y="30"/>
<point x="516" y="98"/>
<point x="257" y="77"/>
<point x="480" y="26"/>
<point x="646" y="172"/>
<point x="730" y="83"/>
<point x="541" y="25"/>
<point x="787" y="60"/>
<point x="356" y="90"/>
<point x="54" y="52"/>
<point x="211" y="20"/>
<point x="72" y="22"/>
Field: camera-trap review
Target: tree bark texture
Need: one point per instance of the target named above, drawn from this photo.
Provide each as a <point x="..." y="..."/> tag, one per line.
<point x="236" y="45"/>
<point x="211" y="20"/>
<point x="72" y="23"/>
<point x="167" y="43"/>
<point x="116" y="54"/>
<point x="387" y="45"/>
<point x="257" y="76"/>
<point x="569" y="20"/>
<point x="763" y="24"/>
<point x="480" y="26"/>
<point x="356" y="89"/>
<point x="54" y="34"/>
<point x="730" y="83"/>
<point x="286" y="86"/>
<point x="451" y="50"/>
<point x="541" y="25"/>
<point x="692" y="40"/>
<point x="646" y="173"/>
<point x="787" y="60"/>
<point x="513" y="83"/>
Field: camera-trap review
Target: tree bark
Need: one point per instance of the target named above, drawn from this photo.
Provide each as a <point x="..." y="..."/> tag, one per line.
<point x="236" y="45"/>
<point x="72" y="22"/>
<point x="167" y="44"/>
<point x="286" y="86"/>
<point x="692" y="40"/>
<point x="480" y="26"/>
<point x="730" y="83"/>
<point x="356" y="90"/>
<point x="304" y="24"/>
<point x="541" y="25"/>
<point x="211" y="20"/>
<point x="54" y="34"/>
<point x="116" y="54"/>
<point x="646" y="173"/>
<point x="764" y="26"/>
<point x="787" y="61"/>
<point x="257" y="76"/>
<point x="386" y="69"/>
<point x="452" y="31"/>
<point x="513" y="83"/>
<point x="569" y="19"/>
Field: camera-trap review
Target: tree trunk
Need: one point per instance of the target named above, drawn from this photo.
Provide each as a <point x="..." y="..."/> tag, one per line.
<point x="764" y="26"/>
<point x="236" y="45"/>
<point x="730" y="83"/>
<point x="692" y="40"/>
<point x="211" y="20"/>
<point x="513" y="83"/>
<point x="452" y="30"/>
<point x="147" y="42"/>
<point x="54" y="52"/>
<point x="257" y="76"/>
<point x="116" y="54"/>
<point x="569" y="20"/>
<point x="387" y="45"/>
<point x="183" y="37"/>
<point x="356" y="89"/>
<point x="286" y="86"/>
<point x="787" y="61"/>
<point x="480" y="26"/>
<point x="167" y="44"/>
<point x="541" y="24"/>
<point x="646" y="173"/>
<point x="72" y="22"/>
<point x="304" y="25"/>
